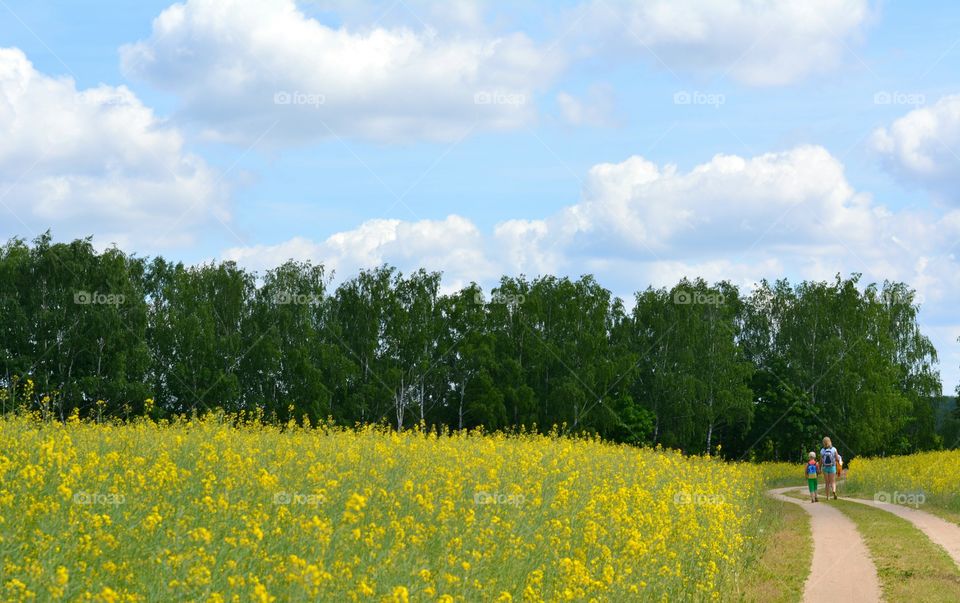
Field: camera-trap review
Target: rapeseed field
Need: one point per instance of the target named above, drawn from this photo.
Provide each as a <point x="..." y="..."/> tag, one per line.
<point x="228" y="509"/>
<point x="914" y="480"/>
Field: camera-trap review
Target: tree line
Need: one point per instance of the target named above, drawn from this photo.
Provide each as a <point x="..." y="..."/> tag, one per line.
<point x="700" y="367"/>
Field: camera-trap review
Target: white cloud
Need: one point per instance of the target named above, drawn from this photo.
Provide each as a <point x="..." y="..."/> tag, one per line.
<point x="666" y="273"/>
<point x="735" y="216"/>
<point x="923" y="147"/>
<point x="791" y="212"/>
<point x="453" y="245"/>
<point x="524" y="246"/>
<point x="95" y="161"/>
<point x="596" y="108"/>
<point x="757" y="43"/>
<point x="248" y="69"/>
<point x="798" y="197"/>
<point x="267" y="71"/>
<point x="451" y="15"/>
<point x="788" y="214"/>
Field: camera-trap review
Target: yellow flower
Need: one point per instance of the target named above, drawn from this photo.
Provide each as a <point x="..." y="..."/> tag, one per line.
<point x="260" y="594"/>
<point x="62" y="576"/>
<point x="364" y="589"/>
<point x="152" y="520"/>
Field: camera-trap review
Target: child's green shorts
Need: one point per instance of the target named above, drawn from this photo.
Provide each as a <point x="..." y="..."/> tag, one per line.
<point x="812" y="484"/>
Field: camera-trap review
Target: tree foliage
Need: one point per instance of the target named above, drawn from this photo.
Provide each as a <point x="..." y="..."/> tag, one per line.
<point x="698" y="366"/>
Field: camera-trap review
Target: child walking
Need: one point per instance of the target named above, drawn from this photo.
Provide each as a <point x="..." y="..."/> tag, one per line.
<point x="811" y="471"/>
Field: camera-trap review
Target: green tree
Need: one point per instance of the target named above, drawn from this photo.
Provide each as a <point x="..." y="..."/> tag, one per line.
<point x="199" y="333"/>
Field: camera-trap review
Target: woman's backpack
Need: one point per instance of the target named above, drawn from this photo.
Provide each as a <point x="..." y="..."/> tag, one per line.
<point x="828" y="458"/>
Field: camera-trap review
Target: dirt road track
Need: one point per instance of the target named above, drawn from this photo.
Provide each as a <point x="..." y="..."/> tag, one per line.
<point x="940" y="531"/>
<point x="842" y="570"/>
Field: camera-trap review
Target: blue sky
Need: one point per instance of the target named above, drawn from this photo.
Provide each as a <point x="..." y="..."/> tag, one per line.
<point x="638" y="141"/>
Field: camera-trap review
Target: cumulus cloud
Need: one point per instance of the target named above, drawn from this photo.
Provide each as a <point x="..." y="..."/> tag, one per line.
<point x="757" y="43"/>
<point x="923" y="147"/>
<point x="269" y="71"/>
<point x="791" y="213"/>
<point x="96" y="161"/>
<point x="262" y="69"/>
<point x="453" y="245"/>
<point x="451" y="15"/>
<point x="788" y="213"/>
<point x="794" y="198"/>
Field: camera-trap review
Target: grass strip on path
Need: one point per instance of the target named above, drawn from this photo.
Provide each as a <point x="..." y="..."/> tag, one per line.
<point x="910" y="566"/>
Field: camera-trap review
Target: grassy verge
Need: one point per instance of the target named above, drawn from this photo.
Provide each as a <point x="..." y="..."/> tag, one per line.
<point x="783" y="482"/>
<point x="779" y="475"/>
<point x="779" y="565"/>
<point x="910" y="566"/>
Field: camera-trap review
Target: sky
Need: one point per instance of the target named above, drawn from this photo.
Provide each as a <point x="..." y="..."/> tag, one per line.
<point x="637" y="141"/>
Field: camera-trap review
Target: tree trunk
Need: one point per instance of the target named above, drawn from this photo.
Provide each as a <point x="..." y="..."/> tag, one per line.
<point x="463" y="393"/>
<point x="398" y="402"/>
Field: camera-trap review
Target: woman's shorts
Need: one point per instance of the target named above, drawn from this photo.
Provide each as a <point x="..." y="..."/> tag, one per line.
<point x="831" y="469"/>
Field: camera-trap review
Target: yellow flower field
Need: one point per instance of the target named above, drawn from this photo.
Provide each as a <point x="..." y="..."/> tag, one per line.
<point x="927" y="477"/>
<point x="206" y="511"/>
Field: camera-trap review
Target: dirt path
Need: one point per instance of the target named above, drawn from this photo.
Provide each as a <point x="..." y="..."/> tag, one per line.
<point x="940" y="531"/>
<point x="842" y="569"/>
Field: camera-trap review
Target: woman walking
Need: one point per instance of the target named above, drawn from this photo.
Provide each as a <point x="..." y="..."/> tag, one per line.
<point x="828" y="465"/>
